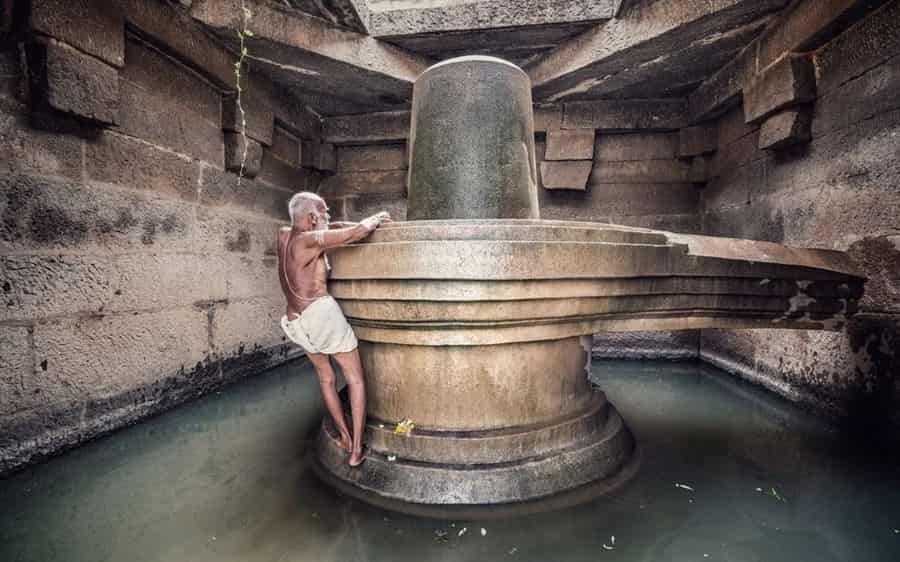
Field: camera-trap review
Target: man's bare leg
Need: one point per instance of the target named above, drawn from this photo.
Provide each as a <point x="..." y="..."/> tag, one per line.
<point x="353" y="374"/>
<point x="330" y="396"/>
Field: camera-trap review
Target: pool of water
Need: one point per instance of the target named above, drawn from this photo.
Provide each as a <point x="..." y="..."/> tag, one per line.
<point x="729" y="473"/>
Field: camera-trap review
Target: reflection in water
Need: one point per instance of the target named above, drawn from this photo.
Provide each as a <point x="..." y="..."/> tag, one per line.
<point x="228" y="478"/>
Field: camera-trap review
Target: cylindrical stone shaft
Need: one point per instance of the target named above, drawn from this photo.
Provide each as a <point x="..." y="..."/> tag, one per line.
<point x="472" y="142"/>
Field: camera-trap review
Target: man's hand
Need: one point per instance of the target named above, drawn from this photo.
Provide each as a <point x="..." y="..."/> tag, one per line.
<point x="373" y="222"/>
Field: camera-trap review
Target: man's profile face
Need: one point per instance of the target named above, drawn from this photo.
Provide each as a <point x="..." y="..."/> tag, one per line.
<point x="322" y="216"/>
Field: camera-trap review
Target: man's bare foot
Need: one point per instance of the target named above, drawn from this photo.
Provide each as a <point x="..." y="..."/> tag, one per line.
<point x="345" y="442"/>
<point x="357" y="457"/>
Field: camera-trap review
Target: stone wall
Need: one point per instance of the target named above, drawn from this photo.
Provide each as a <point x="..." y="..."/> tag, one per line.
<point x="137" y="271"/>
<point x="840" y="190"/>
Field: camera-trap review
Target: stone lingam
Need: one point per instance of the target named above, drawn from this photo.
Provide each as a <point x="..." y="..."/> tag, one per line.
<point x="475" y="317"/>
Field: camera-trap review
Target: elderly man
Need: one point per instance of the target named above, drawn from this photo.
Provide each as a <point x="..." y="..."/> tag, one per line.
<point x="313" y="318"/>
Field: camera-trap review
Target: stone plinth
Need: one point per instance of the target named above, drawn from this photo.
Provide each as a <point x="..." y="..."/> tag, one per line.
<point x="479" y="331"/>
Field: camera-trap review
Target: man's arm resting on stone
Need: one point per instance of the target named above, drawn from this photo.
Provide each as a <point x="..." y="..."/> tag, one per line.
<point x="332" y="238"/>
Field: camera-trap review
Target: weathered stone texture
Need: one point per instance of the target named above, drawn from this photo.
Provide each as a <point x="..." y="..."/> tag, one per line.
<point x="318" y="156"/>
<point x="838" y="191"/>
<point x="789" y="82"/>
<point x="784" y="129"/>
<point x="697" y="140"/>
<point x="682" y="345"/>
<point x="31" y="151"/>
<point x="567" y="174"/>
<point x="285" y="146"/>
<point x="96" y="27"/>
<point x="243" y="155"/>
<point x="358" y="183"/>
<point x="118" y="159"/>
<point x="66" y="80"/>
<point x="626" y="115"/>
<point x="367" y="158"/>
<point x="570" y="144"/>
<point x="257" y="119"/>
<point x="170" y="105"/>
<point x="16" y="363"/>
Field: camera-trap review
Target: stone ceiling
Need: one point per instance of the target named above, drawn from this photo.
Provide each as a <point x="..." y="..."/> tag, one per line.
<point x="360" y="56"/>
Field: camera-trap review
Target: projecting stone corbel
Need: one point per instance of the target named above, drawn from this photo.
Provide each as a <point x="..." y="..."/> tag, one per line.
<point x="785" y="129"/>
<point x="318" y="156"/>
<point x="234" y="154"/>
<point x="64" y="80"/>
<point x="569" y="159"/>
<point x="787" y="83"/>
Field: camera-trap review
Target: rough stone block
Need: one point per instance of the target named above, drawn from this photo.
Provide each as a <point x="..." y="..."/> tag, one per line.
<point x="46" y="286"/>
<point x="16" y="363"/>
<point x="369" y="128"/>
<point x="646" y="171"/>
<point x="32" y="151"/>
<point x="66" y="80"/>
<point x="217" y="230"/>
<point x="363" y="206"/>
<point x="368" y="158"/>
<point x="252" y="278"/>
<point x="623" y="199"/>
<point x="242" y="155"/>
<point x="115" y="158"/>
<point x="350" y="183"/>
<point x="318" y="156"/>
<point x="700" y="166"/>
<point x="96" y="27"/>
<point x="570" y="144"/>
<point x="246" y="325"/>
<point x="566" y="174"/>
<point x="106" y="354"/>
<point x="220" y="188"/>
<point x="785" y="129"/>
<point x="47" y="214"/>
<point x="625" y="115"/>
<point x="789" y="82"/>
<point x="547" y="117"/>
<point x="258" y="115"/>
<point x="670" y="346"/>
<point x="697" y="140"/>
<point x="169" y="105"/>
<point x="636" y="146"/>
<point x="688" y="224"/>
<point x="285" y="146"/>
<point x="277" y="172"/>
<point x="151" y="281"/>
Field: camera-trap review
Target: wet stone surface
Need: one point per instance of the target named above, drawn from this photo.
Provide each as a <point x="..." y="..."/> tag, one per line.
<point x="728" y="471"/>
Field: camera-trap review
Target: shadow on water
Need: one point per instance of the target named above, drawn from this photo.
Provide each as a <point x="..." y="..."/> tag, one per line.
<point x="728" y="473"/>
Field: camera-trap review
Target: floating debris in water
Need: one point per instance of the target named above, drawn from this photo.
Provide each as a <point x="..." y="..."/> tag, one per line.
<point x="391" y="458"/>
<point x="441" y="536"/>
<point x="404" y="426"/>
<point x="705" y="555"/>
<point x="607" y="547"/>
<point x="612" y="540"/>
<point x="462" y="531"/>
<point x="683" y="486"/>
<point x="778" y="496"/>
<point x="381" y="426"/>
<point x="483" y="532"/>
<point x="512" y="551"/>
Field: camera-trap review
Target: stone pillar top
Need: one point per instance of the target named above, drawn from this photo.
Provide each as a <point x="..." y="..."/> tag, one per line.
<point x="472" y="142"/>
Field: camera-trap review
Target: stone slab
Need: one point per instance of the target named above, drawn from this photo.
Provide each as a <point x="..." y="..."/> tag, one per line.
<point x="636" y="146"/>
<point x="350" y="183"/>
<point x="44" y="214"/>
<point x="623" y="115"/>
<point x="621" y="199"/>
<point x="96" y="27"/>
<point x="278" y="173"/>
<point x="641" y="171"/>
<point x="318" y="156"/>
<point x="63" y="79"/>
<point x="115" y="158"/>
<point x="566" y="174"/>
<point x="222" y="189"/>
<point x="285" y="146"/>
<point x="243" y="326"/>
<point x="243" y="155"/>
<point x="367" y="158"/>
<point x="16" y="364"/>
<point x="547" y="117"/>
<point x="258" y="116"/>
<point x="784" y="129"/>
<point x="26" y="150"/>
<point x="789" y="82"/>
<point x="696" y="140"/>
<point x="700" y="166"/>
<point x="570" y="144"/>
<point x="389" y="126"/>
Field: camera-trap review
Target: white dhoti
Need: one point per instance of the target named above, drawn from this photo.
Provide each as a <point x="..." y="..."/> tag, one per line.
<point x="321" y="328"/>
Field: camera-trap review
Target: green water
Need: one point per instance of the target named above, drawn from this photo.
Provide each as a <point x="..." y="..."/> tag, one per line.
<point x="227" y="478"/>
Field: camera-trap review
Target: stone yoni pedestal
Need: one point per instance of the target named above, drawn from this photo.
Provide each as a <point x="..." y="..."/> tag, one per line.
<point x="479" y="328"/>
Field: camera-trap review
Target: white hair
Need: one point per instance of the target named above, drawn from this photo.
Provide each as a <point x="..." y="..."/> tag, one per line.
<point x="302" y="203"/>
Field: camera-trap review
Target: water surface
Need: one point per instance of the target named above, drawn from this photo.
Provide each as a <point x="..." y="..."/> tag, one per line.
<point x="729" y="473"/>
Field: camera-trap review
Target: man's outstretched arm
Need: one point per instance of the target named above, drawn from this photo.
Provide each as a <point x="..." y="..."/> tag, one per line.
<point x="326" y="239"/>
